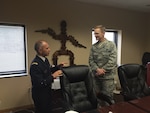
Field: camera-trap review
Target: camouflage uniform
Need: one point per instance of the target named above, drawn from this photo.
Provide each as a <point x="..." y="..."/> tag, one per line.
<point x="104" y="55"/>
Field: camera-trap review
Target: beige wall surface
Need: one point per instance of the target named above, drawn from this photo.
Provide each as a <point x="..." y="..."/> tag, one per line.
<point x="80" y="18"/>
<point x="148" y="38"/>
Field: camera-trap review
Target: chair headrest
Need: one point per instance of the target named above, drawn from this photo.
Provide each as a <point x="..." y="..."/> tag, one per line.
<point x="130" y="70"/>
<point x="76" y="73"/>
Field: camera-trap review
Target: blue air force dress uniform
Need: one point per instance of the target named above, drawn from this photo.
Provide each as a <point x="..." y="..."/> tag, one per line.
<point x="41" y="79"/>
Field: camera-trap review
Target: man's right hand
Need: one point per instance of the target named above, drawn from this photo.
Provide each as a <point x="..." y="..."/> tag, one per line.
<point x="100" y="71"/>
<point x="57" y="73"/>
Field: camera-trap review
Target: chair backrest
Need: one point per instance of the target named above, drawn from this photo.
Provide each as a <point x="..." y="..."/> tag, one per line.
<point x="133" y="81"/>
<point x="145" y="58"/>
<point x="77" y="88"/>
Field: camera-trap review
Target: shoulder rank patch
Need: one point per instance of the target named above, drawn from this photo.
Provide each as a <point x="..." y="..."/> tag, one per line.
<point x="34" y="63"/>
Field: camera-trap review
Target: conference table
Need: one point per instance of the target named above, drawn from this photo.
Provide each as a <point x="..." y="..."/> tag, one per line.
<point x="141" y="105"/>
<point x="121" y="107"/>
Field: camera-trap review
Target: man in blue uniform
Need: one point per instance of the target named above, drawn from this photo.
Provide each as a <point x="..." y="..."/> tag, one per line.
<point x="42" y="76"/>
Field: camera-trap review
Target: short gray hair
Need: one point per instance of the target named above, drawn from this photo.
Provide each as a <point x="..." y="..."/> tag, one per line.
<point x="101" y="27"/>
<point x="38" y="45"/>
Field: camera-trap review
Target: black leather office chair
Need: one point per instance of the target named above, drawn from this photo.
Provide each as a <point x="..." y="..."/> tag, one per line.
<point x="133" y="81"/>
<point x="77" y="88"/>
<point x="145" y="58"/>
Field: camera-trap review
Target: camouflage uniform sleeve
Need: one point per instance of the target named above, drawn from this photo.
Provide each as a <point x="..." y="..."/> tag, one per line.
<point x="112" y="58"/>
<point x="92" y="63"/>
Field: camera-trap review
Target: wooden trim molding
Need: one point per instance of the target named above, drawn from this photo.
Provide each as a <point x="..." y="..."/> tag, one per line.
<point x="13" y="110"/>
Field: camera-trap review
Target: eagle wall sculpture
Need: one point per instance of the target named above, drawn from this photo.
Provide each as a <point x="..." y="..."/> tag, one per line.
<point x="63" y="38"/>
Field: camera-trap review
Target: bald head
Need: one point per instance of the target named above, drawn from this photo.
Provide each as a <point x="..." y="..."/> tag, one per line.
<point x="42" y="48"/>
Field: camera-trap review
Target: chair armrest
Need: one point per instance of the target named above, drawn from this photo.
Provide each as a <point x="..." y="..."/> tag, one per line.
<point x="66" y="102"/>
<point x="129" y="96"/>
<point x="105" y="98"/>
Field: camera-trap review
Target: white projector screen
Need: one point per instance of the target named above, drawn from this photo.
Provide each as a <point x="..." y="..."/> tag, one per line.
<point x="13" y="52"/>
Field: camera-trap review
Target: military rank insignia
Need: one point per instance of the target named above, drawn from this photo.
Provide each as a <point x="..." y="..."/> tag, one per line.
<point x="34" y="63"/>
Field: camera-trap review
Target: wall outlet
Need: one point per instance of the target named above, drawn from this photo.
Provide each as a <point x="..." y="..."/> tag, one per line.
<point x="29" y="90"/>
<point x="10" y="111"/>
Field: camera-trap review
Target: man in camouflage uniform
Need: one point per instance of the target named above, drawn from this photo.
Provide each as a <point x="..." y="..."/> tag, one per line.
<point x="103" y="62"/>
